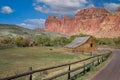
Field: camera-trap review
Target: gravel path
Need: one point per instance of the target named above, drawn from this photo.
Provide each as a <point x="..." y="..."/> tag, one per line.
<point x="112" y="70"/>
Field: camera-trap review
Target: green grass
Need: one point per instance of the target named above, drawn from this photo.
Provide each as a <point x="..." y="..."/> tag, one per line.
<point x="17" y="60"/>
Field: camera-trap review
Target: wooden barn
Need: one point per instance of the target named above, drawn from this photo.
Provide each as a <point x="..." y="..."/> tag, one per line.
<point x="82" y="44"/>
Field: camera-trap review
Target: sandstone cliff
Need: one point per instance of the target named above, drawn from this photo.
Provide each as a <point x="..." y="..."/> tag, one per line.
<point x="93" y="21"/>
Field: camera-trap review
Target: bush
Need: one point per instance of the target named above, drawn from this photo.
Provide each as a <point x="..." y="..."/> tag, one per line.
<point x="20" y="41"/>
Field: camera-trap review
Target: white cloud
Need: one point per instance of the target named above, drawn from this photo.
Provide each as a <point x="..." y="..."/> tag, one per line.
<point x="111" y="6"/>
<point x="6" y="10"/>
<point x="36" y="21"/>
<point x="25" y="25"/>
<point x="61" y="7"/>
<point x="33" y="23"/>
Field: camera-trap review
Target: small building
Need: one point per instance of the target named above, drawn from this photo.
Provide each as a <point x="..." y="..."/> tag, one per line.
<point x="82" y="44"/>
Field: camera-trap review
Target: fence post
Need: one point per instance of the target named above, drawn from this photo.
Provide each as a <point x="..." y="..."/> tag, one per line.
<point x="30" y="76"/>
<point x="98" y="60"/>
<point x="82" y="52"/>
<point x="84" y="67"/>
<point x="91" y="54"/>
<point x="93" y="62"/>
<point x="102" y="58"/>
<point x="69" y="72"/>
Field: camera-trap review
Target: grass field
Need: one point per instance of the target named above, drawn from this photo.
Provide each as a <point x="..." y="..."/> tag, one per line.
<point x="17" y="60"/>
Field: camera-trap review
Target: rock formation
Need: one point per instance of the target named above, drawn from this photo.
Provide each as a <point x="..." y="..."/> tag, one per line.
<point x="92" y="21"/>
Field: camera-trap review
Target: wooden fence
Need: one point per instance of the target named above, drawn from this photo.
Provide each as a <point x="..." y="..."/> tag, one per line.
<point x="95" y="60"/>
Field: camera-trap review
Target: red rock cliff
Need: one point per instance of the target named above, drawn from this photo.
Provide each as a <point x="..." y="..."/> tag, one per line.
<point x="93" y="21"/>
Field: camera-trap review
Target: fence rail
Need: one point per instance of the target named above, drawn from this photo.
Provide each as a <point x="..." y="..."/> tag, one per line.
<point x="84" y="67"/>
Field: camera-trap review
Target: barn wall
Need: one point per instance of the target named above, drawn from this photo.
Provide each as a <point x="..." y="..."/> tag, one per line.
<point x="87" y="46"/>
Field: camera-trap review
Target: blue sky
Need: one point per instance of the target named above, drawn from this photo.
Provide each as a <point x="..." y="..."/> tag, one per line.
<point x="33" y="13"/>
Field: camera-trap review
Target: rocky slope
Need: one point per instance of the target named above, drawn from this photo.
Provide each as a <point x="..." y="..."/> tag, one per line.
<point x="7" y="30"/>
<point x="92" y="21"/>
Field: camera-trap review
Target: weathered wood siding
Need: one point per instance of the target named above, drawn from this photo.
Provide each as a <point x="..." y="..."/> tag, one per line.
<point x="89" y="46"/>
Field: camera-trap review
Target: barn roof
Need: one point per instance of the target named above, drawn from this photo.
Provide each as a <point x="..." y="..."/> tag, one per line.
<point x="77" y="42"/>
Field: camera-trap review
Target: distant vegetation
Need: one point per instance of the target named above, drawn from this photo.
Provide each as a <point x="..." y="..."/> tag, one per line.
<point x="15" y="41"/>
<point x="58" y="41"/>
<point x="41" y="41"/>
<point x="113" y="42"/>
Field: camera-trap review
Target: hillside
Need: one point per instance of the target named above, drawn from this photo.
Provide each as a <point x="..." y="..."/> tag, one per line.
<point x="92" y="21"/>
<point x="7" y="30"/>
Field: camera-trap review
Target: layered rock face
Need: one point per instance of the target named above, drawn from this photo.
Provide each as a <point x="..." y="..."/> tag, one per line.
<point x="93" y="21"/>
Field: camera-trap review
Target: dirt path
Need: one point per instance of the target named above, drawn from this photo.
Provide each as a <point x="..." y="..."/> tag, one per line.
<point x="112" y="70"/>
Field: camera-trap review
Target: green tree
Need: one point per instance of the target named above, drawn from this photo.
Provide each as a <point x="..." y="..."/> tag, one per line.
<point x="44" y="41"/>
<point x="18" y="41"/>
